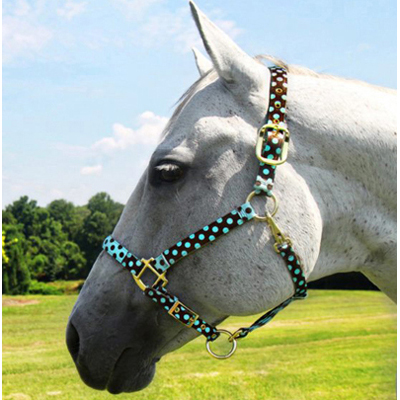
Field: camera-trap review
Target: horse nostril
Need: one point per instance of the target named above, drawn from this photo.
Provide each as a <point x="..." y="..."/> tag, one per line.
<point x="72" y="341"/>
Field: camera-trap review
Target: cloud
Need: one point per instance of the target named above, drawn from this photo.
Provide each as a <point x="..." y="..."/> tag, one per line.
<point x="21" y="37"/>
<point x="177" y="27"/>
<point x="94" y="170"/>
<point x="71" y="9"/>
<point x="135" y="8"/>
<point x="148" y="133"/>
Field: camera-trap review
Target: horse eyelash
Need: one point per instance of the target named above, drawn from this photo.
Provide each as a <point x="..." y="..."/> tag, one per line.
<point x="167" y="167"/>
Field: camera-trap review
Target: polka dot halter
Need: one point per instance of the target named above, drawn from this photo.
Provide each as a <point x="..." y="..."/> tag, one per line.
<point x="271" y="151"/>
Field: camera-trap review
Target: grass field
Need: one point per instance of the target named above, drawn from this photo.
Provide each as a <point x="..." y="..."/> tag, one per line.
<point x="335" y="345"/>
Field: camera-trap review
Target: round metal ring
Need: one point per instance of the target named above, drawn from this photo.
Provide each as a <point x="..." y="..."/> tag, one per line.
<point x="274" y="211"/>
<point x="232" y="350"/>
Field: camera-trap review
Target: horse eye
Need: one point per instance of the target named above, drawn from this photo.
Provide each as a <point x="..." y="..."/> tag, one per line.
<point x="169" y="172"/>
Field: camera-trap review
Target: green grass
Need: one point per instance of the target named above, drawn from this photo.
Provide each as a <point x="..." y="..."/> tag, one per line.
<point x="335" y="345"/>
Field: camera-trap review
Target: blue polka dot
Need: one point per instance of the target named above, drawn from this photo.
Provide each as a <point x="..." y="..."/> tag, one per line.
<point x="265" y="171"/>
<point x="174" y="252"/>
<point x="192" y="236"/>
<point x="197" y="322"/>
<point x="276" y="116"/>
<point x="229" y="221"/>
<point x="215" y="229"/>
<point x="206" y="228"/>
<point x="267" y="148"/>
<point x="186" y="317"/>
<point x="271" y="109"/>
<point x="198" y="330"/>
<point x="130" y="263"/>
<point x="187" y="245"/>
<point x="294" y="280"/>
<point x="289" y="267"/>
<point x="275" y="141"/>
<point x="201" y="236"/>
<point x="207" y="329"/>
<point x="301" y="283"/>
<point x="166" y="252"/>
<point x="290" y="258"/>
<point x="234" y="212"/>
<point x="270" y="156"/>
<point x="177" y="316"/>
<point x="211" y="238"/>
<point x="179" y="244"/>
<point x="283" y="254"/>
<point x="138" y="263"/>
<point x="162" y="300"/>
<point x="167" y="308"/>
<point x="225" y="230"/>
<point x="197" y="245"/>
<point x="240" y="222"/>
<point x="297" y="271"/>
<point x="171" y="261"/>
<point x="151" y="293"/>
<point x="184" y="253"/>
<point x="283" y="110"/>
<point x="278" y="151"/>
<point x="219" y="220"/>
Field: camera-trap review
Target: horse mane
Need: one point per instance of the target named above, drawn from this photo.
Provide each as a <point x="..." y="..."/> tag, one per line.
<point x="212" y="75"/>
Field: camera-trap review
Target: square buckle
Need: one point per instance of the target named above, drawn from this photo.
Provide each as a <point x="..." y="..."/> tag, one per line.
<point x="190" y="321"/>
<point x="147" y="265"/>
<point x="260" y="141"/>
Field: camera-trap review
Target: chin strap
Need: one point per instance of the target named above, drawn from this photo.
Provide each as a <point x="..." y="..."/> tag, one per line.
<point x="271" y="150"/>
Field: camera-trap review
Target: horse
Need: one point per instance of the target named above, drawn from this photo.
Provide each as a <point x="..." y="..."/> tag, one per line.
<point x="337" y="196"/>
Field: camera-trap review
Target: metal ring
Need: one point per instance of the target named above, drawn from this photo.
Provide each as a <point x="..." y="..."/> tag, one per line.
<point x="232" y="350"/>
<point x="274" y="211"/>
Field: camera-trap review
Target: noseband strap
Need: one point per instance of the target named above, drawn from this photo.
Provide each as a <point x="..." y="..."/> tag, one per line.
<point x="271" y="150"/>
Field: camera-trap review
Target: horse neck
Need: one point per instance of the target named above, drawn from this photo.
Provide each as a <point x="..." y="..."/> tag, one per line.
<point x="344" y="143"/>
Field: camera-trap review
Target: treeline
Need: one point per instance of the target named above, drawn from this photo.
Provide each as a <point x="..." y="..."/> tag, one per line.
<point x="60" y="241"/>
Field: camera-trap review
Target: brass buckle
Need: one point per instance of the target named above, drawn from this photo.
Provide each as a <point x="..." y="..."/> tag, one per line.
<point x="192" y="320"/>
<point x="147" y="265"/>
<point x="260" y="141"/>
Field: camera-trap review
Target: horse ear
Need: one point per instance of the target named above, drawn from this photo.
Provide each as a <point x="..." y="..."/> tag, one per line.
<point x="230" y="61"/>
<point x="203" y="64"/>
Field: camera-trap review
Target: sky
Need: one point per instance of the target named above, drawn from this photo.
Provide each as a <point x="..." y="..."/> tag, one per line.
<point x="89" y="85"/>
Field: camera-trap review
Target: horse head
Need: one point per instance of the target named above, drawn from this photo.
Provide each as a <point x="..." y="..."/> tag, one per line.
<point x="203" y="166"/>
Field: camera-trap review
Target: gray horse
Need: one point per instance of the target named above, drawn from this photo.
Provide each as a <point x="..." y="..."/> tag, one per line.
<point x="338" y="204"/>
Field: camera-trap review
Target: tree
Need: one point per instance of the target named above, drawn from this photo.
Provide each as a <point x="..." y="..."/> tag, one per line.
<point x="70" y="217"/>
<point x="23" y="210"/>
<point x="75" y="262"/>
<point x="104" y="215"/>
<point x="16" y="276"/>
<point x="97" y="226"/>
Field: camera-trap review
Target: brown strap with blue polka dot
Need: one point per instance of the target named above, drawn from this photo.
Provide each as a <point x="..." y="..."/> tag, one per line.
<point x="273" y="138"/>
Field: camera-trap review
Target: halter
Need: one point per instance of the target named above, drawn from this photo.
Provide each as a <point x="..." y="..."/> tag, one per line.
<point x="271" y="150"/>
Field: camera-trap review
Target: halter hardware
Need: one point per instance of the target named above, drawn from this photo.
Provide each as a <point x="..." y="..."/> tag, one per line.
<point x="275" y="130"/>
<point x="271" y="150"/>
<point x="279" y="237"/>
<point x="259" y="217"/>
<point x="191" y="320"/>
<point x="147" y="265"/>
<point x="231" y="339"/>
